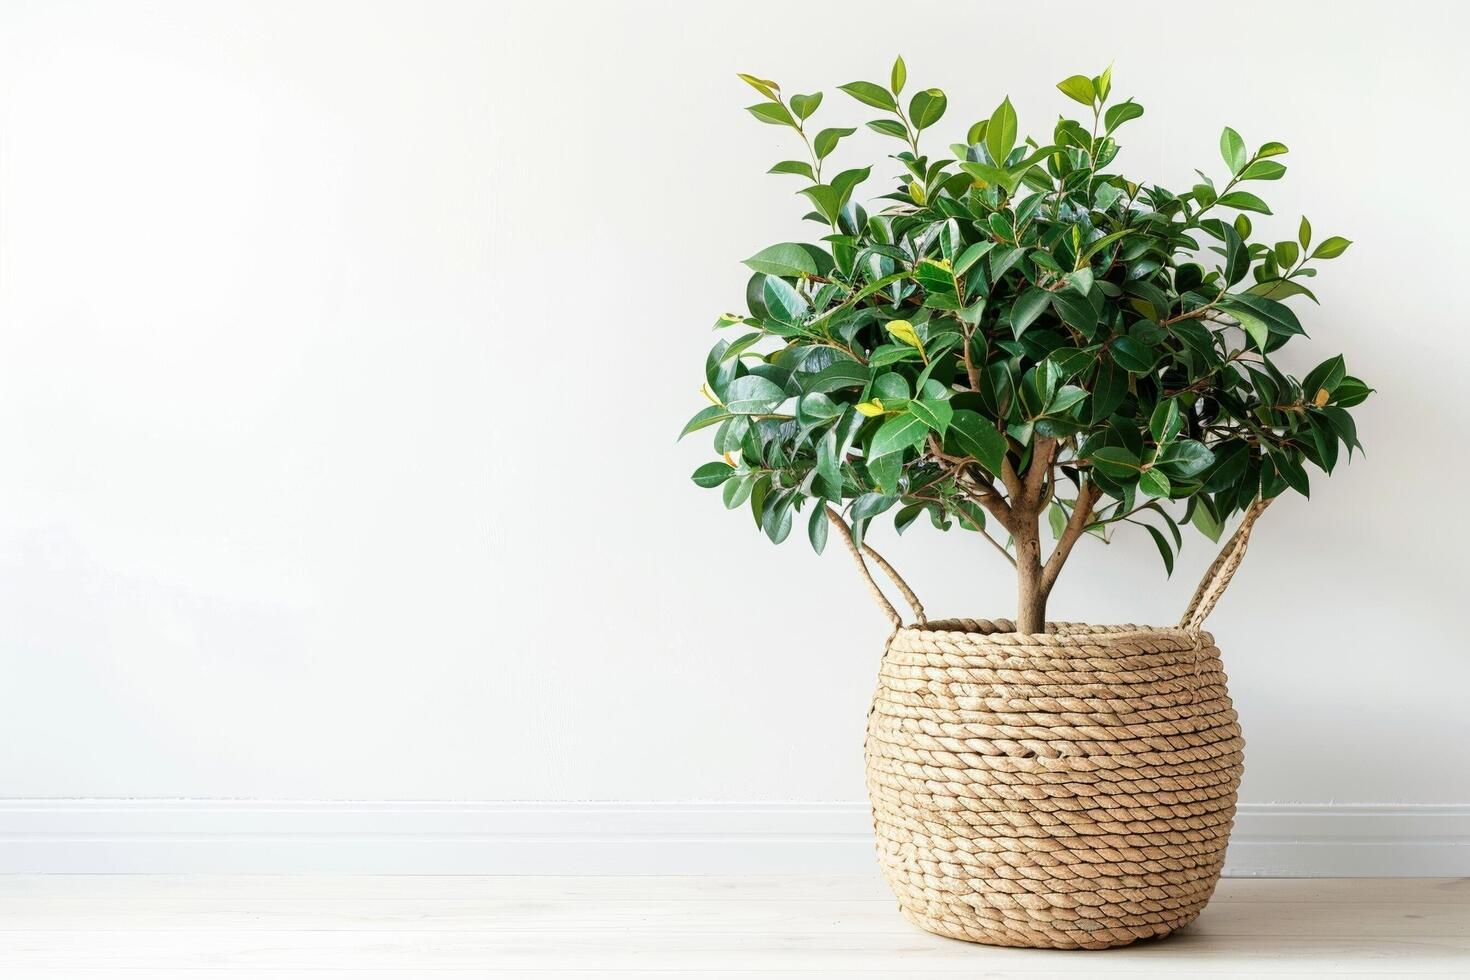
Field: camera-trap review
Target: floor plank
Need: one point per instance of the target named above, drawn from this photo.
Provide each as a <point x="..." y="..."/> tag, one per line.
<point x="81" y="927"/>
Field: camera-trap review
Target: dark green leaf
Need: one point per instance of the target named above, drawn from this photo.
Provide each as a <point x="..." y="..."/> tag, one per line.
<point x="1027" y="307"/>
<point x="972" y="435"/>
<point x="753" y="395"/>
<point x="898" y="433"/>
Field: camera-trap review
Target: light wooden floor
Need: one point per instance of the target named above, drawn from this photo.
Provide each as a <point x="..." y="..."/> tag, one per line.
<point x="87" y="926"/>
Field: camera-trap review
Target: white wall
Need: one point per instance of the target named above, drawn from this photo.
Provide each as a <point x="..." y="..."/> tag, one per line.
<point x="343" y="346"/>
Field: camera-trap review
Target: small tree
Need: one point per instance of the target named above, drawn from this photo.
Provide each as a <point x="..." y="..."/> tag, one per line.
<point x="1020" y="334"/>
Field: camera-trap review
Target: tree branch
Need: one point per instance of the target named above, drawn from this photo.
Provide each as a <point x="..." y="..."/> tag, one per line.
<point x="1087" y="497"/>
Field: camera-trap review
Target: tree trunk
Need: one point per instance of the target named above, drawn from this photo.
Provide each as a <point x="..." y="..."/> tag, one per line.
<point x="1031" y="595"/>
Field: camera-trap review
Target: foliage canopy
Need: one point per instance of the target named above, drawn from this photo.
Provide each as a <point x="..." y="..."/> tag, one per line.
<point x="1018" y="333"/>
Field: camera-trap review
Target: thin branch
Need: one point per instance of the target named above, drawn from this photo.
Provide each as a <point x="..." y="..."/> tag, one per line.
<point x="1087" y="497"/>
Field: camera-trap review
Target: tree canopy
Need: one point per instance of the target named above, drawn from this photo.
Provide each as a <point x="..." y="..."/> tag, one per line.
<point x="1017" y="333"/>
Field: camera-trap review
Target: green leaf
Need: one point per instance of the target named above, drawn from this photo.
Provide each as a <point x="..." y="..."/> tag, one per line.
<point x="1232" y="149"/>
<point x="903" y="331"/>
<point x="837" y="375"/>
<point x="771" y="112"/>
<point x="1271" y="149"/>
<point x="1237" y="258"/>
<point x="970" y="256"/>
<point x="826" y="199"/>
<point x="1324" y="377"/>
<point x="933" y="412"/>
<point x="764" y="86"/>
<point x="1078" y="88"/>
<point x="1263" y="170"/>
<point x="1244" y="201"/>
<point x="827" y="139"/>
<point x="1186" y="458"/>
<point x="973" y="436"/>
<point x="897" y="434"/>
<point x="711" y="475"/>
<point x="776" y="521"/>
<point x="753" y="395"/>
<point x="1000" y="135"/>
<point x="1027" y="307"/>
<point x="782" y="300"/>
<point x="816" y="527"/>
<point x="898" y="76"/>
<point x="926" y="107"/>
<point x="798" y="167"/>
<point x="1274" y="317"/>
<point x="706" y="417"/>
<point x="1154" y="484"/>
<point x="889" y="127"/>
<point x="1116" y="462"/>
<point x="1121" y="113"/>
<point x="1166" y="422"/>
<point x="805" y="105"/>
<point x="1132" y="356"/>
<point x="737" y="491"/>
<point x="1331" y="248"/>
<point x="1159" y="540"/>
<point x="1304" y="233"/>
<point x="871" y="94"/>
<point x="786" y="259"/>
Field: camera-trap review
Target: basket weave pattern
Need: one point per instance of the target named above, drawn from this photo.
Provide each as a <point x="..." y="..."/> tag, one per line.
<point x="1073" y="789"/>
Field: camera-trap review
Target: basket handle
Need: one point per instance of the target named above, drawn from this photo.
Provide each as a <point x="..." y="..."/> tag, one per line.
<point x="1217" y="577"/>
<point x="877" y="593"/>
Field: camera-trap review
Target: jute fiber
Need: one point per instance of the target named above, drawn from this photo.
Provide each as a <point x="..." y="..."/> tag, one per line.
<point x="1071" y="789"/>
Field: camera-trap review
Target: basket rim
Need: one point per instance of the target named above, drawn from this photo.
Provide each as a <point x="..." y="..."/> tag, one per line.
<point x="1060" y="633"/>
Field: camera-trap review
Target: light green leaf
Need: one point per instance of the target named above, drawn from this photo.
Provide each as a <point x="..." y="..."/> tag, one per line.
<point x="871" y="94"/>
<point x="1121" y="113"/>
<point x="1244" y="201"/>
<point x="1000" y="135"/>
<point x="1331" y="248"/>
<point x="805" y="105"/>
<point x="926" y="107"/>
<point x="771" y="112"/>
<point x="898" y="76"/>
<point x="764" y="86"/>
<point x="1078" y="88"/>
<point x="1263" y="170"/>
<point x="1232" y="149"/>
<point x="786" y="259"/>
<point x="827" y="139"/>
<point x="799" y="167"/>
<point x="711" y="475"/>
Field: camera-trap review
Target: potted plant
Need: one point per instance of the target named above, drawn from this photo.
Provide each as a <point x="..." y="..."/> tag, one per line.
<point x="1020" y="338"/>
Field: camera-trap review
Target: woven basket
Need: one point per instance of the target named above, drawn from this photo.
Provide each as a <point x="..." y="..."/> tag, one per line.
<point x="1072" y="790"/>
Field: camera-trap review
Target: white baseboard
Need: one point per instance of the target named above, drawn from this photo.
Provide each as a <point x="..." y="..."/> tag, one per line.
<point x="310" y="837"/>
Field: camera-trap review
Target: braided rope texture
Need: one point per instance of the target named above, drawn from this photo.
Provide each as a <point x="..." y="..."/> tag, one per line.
<point x="1071" y="790"/>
